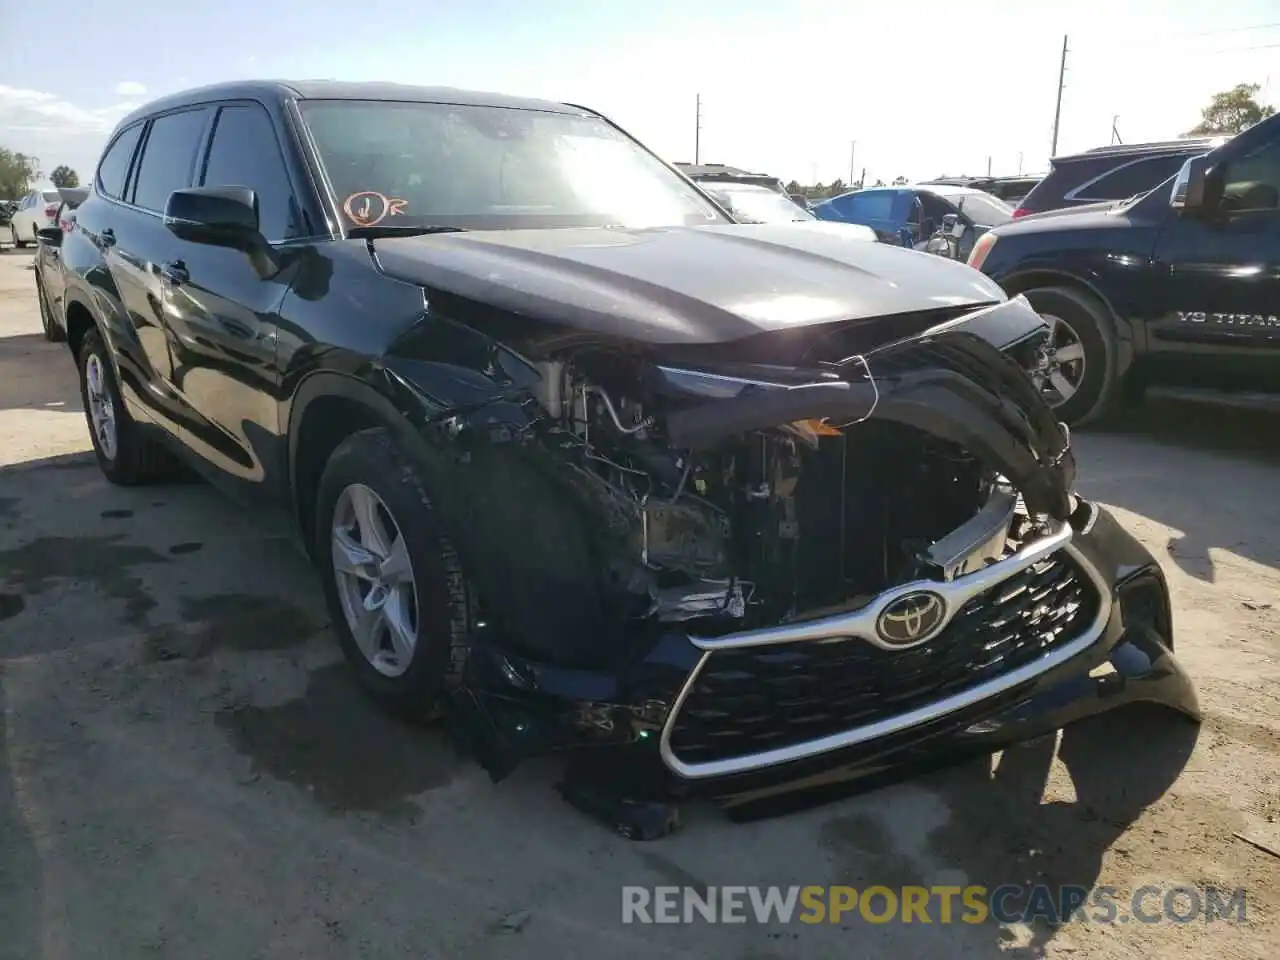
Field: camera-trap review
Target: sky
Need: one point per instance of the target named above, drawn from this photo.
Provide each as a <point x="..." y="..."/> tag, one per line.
<point x="924" y="88"/>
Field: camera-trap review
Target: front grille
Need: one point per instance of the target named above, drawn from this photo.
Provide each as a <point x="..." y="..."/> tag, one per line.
<point x="752" y="699"/>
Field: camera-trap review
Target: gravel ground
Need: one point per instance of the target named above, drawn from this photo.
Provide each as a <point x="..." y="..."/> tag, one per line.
<point x="186" y="770"/>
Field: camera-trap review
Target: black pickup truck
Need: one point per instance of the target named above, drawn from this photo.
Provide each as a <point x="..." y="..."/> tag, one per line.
<point x="1179" y="286"/>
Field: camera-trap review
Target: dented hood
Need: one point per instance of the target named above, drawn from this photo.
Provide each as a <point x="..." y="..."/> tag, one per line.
<point x="684" y="285"/>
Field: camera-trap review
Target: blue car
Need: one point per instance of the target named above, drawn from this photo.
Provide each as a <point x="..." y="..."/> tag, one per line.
<point x="909" y="215"/>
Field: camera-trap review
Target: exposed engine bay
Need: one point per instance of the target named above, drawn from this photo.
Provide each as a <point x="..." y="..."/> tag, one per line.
<point x="806" y="518"/>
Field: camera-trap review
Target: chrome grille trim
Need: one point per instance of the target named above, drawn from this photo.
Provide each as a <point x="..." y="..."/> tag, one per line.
<point x="859" y="626"/>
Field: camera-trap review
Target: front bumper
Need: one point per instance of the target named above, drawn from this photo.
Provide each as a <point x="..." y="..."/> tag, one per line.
<point x="623" y="722"/>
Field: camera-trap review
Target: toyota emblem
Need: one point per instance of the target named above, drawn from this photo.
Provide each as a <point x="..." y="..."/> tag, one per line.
<point x="912" y="618"/>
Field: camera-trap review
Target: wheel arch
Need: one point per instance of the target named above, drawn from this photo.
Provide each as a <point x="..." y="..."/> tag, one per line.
<point x="327" y="407"/>
<point x="80" y="319"/>
<point x="1032" y="278"/>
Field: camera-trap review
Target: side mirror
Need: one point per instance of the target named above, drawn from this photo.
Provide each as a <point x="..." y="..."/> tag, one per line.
<point x="50" y="235"/>
<point x="1188" y="193"/>
<point x="219" y="216"/>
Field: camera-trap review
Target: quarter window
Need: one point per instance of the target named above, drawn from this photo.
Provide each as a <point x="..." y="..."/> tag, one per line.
<point x="168" y="157"/>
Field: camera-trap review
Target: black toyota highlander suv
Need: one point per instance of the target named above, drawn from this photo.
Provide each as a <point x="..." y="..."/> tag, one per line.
<point x="587" y="465"/>
<point x="1179" y="286"/>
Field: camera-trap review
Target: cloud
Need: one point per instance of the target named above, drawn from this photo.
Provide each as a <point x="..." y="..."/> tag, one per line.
<point x="130" y="88"/>
<point x="57" y="131"/>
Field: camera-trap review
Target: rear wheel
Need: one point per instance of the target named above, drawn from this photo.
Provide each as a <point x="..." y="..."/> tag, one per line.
<point x="1079" y="376"/>
<point x="52" y="332"/>
<point x="397" y="594"/>
<point x="17" y="241"/>
<point x="125" y="453"/>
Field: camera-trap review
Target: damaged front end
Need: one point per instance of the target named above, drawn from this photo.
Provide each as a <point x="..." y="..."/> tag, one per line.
<point x="698" y="573"/>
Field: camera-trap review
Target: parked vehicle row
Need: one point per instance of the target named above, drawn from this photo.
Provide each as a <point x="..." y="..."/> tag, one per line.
<point x="706" y="506"/>
<point x="34" y="211"/>
<point x="909" y="216"/>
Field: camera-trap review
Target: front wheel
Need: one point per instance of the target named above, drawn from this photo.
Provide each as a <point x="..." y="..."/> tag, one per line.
<point x="1078" y="373"/>
<point x="397" y="594"/>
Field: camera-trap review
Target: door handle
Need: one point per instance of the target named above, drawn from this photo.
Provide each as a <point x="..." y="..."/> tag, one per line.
<point x="108" y="237"/>
<point x="175" y="271"/>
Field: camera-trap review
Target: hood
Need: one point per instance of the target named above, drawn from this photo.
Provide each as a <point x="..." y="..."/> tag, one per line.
<point x="684" y="285"/>
<point x="1091" y="217"/>
<point x="1100" y="207"/>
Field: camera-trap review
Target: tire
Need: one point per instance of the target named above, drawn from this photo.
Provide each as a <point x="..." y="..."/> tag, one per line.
<point x="52" y="332"/>
<point x="19" y="243"/>
<point x="1089" y="323"/>
<point x="408" y="686"/>
<point x="132" y="458"/>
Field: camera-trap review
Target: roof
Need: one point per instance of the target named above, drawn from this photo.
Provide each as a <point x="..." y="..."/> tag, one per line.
<point x="712" y="170"/>
<point x="269" y="91"/>
<point x="1184" y="145"/>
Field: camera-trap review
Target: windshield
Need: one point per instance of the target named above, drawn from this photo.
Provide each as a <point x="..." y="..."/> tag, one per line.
<point x="51" y="196"/>
<point x="405" y="164"/>
<point x="759" y="205"/>
<point x="982" y="209"/>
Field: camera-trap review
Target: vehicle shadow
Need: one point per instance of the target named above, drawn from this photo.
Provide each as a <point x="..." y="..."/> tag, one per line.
<point x="1003" y="832"/>
<point x="37" y="375"/>
<point x="1207" y="472"/>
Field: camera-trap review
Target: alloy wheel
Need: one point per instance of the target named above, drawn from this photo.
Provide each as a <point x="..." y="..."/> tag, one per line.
<point x="1064" y="366"/>
<point x="102" y="411"/>
<point x="375" y="580"/>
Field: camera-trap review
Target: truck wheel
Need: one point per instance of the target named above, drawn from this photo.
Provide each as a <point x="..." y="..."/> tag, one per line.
<point x="396" y="591"/>
<point x="1081" y="379"/>
<point x="125" y="453"/>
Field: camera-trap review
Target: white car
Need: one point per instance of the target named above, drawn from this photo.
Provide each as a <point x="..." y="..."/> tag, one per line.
<point x="36" y="211"/>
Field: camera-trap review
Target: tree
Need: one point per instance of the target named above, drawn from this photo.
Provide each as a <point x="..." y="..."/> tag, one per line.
<point x="899" y="181"/>
<point x="794" y="187"/>
<point x="64" y="176"/>
<point x="17" y="170"/>
<point x="836" y="188"/>
<point x="1231" y="111"/>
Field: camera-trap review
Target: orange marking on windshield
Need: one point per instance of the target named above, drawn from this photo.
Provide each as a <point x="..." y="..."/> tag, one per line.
<point x="368" y="208"/>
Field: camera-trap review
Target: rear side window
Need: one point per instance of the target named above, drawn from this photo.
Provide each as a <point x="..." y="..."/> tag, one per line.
<point x="168" y="157"/>
<point x="866" y="206"/>
<point x="114" y="167"/>
<point x="1124" y="181"/>
<point x="244" y="153"/>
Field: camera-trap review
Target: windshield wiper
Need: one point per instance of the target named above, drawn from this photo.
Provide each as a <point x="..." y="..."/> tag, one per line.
<point x="396" y="230"/>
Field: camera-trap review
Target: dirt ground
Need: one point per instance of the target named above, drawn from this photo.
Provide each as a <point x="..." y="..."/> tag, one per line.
<point x="187" y="771"/>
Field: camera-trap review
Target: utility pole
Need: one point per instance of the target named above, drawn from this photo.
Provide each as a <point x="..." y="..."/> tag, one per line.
<point x="697" y="128"/>
<point x="863" y="181"/>
<point x="1057" y="111"/>
<point x="988" y="167"/>
<point x="1115" y="131"/>
<point x="1019" y="163"/>
<point x="853" y="149"/>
